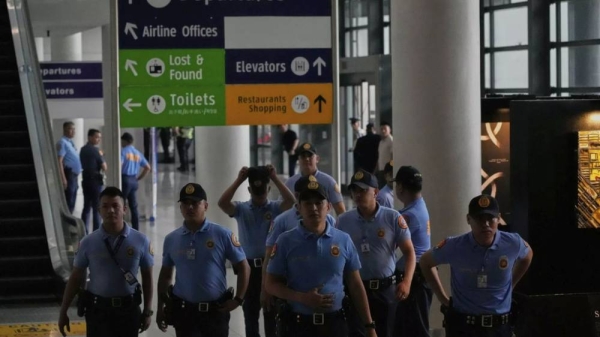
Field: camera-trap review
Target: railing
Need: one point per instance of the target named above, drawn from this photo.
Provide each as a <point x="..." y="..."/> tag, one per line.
<point x="62" y="230"/>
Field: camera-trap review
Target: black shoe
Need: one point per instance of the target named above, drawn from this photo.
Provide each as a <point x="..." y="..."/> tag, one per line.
<point x="181" y="169"/>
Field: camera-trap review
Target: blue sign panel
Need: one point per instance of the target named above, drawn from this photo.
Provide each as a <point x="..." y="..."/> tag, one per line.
<point x="73" y="90"/>
<point x="255" y="66"/>
<point x="71" y="71"/>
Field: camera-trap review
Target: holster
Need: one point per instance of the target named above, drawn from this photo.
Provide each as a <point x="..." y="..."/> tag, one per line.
<point x="81" y="302"/>
<point x="137" y="295"/>
<point x="228" y="295"/>
<point x="282" y="318"/>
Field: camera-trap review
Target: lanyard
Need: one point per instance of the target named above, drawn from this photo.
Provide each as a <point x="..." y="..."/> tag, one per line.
<point x="115" y="251"/>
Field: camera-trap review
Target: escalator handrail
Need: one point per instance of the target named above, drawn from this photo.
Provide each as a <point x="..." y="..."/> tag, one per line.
<point x="58" y="221"/>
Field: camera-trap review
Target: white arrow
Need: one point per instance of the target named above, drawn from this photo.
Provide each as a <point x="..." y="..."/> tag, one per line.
<point x="319" y="63"/>
<point x="130" y="65"/>
<point x="129" y="28"/>
<point x="128" y="105"/>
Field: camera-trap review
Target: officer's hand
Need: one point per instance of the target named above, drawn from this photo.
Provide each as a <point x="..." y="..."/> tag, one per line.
<point x="160" y="320"/>
<point x="266" y="301"/>
<point x="445" y="301"/>
<point x="292" y="153"/>
<point x="63" y="320"/>
<point x="65" y="183"/>
<point x="145" y="323"/>
<point x="228" y="306"/>
<point x="243" y="174"/>
<point x="315" y="300"/>
<point x="402" y="290"/>
<point x="272" y="172"/>
<point x="371" y="333"/>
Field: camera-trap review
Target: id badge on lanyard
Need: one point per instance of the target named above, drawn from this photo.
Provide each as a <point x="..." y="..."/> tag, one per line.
<point x="482" y="280"/>
<point x="190" y="253"/>
<point x="364" y="246"/>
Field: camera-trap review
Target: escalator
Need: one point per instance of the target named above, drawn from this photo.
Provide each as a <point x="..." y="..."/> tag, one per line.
<point x="26" y="267"/>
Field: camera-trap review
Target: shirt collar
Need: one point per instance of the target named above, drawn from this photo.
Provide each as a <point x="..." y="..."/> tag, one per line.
<point x="308" y="234"/>
<point x="125" y="232"/>
<point x="412" y="204"/>
<point x="360" y="217"/>
<point x="254" y="207"/>
<point x="314" y="174"/>
<point x="494" y="245"/>
<point x="205" y="227"/>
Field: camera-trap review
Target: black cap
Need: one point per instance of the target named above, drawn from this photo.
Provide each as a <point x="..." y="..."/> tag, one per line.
<point x="353" y="120"/>
<point x="306" y="147"/>
<point x="364" y="180"/>
<point x="389" y="167"/>
<point x="258" y="178"/>
<point x="409" y="177"/>
<point x="193" y="192"/>
<point x="127" y="137"/>
<point x="484" y="204"/>
<point x="308" y="187"/>
<point x="302" y="182"/>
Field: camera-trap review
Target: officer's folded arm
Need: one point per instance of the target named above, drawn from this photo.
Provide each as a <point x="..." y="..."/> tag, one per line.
<point x="430" y="273"/>
<point x="521" y="266"/>
<point x="276" y="286"/>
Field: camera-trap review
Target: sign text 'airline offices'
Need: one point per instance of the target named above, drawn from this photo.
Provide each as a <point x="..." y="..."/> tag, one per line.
<point x="225" y="62"/>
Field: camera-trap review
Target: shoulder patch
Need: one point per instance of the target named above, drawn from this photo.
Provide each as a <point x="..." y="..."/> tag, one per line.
<point x="234" y="240"/>
<point x="402" y="223"/>
<point x="274" y="250"/>
<point x="441" y="244"/>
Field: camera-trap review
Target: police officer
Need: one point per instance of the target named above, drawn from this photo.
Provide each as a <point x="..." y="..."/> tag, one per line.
<point x="199" y="303"/>
<point x="282" y="223"/>
<point x="68" y="159"/>
<point x="131" y="162"/>
<point x="113" y="254"/>
<point x="253" y="218"/>
<point x="308" y="159"/>
<point x="385" y="197"/>
<point x="376" y="232"/>
<point x="185" y="135"/>
<point x="412" y="315"/>
<point x="485" y="266"/>
<point x="308" y="267"/>
<point x="93" y="164"/>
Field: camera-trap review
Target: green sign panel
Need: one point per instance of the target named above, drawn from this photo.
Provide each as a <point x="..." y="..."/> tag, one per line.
<point x="164" y="67"/>
<point x="168" y="106"/>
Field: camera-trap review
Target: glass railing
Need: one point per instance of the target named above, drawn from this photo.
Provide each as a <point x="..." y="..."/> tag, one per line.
<point x="62" y="230"/>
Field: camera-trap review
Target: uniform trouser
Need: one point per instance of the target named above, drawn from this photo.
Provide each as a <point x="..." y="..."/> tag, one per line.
<point x="114" y="322"/>
<point x="252" y="306"/>
<point x="91" y="201"/>
<point x="459" y="328"/>
<point x="71" y="190"/>
<point x="130" y="187"/>
<point x="412" y="315"/>
<point x="336" y="327"/>
<point x="183" y="145"/>
<point x="382" y="304"/>
<point x="189" y="322"/>
<point x="292" y="160"/>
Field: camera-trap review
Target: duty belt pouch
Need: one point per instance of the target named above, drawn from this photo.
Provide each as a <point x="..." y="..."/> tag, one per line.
<point x="228" y="295"/>
<point x="137" y="295"/>
<point x="81" y="302"/>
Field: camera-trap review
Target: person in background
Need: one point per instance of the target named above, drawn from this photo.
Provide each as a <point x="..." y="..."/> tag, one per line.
<point x="356" y="134"/>
<point x="385" y="151"/>
<point x="290" y="143"/>
<point x="132" y="161"/>
<point x="165" y="140"/>
<point x="94" y="166"/>
<point x="185" y="136"/>
<point x="385" y="197"/>
<point x="366" y="150"/>
<point x="68" y="159"/>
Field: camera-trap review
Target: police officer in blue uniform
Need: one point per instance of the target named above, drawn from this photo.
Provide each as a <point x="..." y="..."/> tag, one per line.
<point x="113" y="254"/>
<point x="282" y="223"/>
<point x="308" y="159"/>
<point x="93" y="165"/>
<point x="412" y="315"/>
<point x="485" y="265"/>
<point x="68" y="159"/>
<point x="385" y="197"/>
<point x="308" y="268"/>
<point x="253" y="218"/>
<point x="132" y="161"/>
<point x="199" y="304"/>
<point x="376" y="232"/>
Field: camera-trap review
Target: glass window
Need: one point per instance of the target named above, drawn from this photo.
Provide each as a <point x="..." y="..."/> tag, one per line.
<point x="553" y="67"/>
<point x="579" y="20"/>
<point x="553" y="23"/>
<point x="488" y="72"/>
<point x="360" y="42"/>
<point x="386" y="40"/>
<point x="486" y="3"/>
<point x="511" y="69"/>
<point x="486" y="30"/>
<point x="580" y="66"/>
<point x="510" y="27"/>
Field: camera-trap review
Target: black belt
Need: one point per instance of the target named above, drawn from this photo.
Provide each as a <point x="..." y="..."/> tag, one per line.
<point x="255" y="263"/>
<point x="110" y="302"/>
<point x="199" y="307"/>
<point x="377" y="284"/>
<point x="484" y="321"/>
<point x="317" y="318"/>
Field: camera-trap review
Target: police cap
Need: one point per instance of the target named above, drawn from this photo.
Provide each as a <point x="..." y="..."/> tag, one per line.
<point x="307" y="188"/>
<point x="410" y="178"/>
<point x="484" y="204"/>
<point x="306" y="147"/>
<point x="258" y="178"/>
<point x="364" y="180"/>
<point x="193" y="192"/>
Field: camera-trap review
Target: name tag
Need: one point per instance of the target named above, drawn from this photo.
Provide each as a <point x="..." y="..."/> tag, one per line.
<point x="191" y="253"/>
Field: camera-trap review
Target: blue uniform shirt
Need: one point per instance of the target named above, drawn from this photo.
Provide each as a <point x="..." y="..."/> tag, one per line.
<point x="376" y="240"/>
<point x="417" y="218"/>
<point x="106" y="279"/>
<point x="132" y="160"/>
<point x="286" y="221"/>
<point x="253" y="225"/>
<point x="468" y="260"/>
<point x="334" y="194"/>
<point x="385" y="197"/>
<point x="91" y="161"/>
<point x="308" y="262"/>
<point x="203" y="278"/>
<point x="66" y="149"/>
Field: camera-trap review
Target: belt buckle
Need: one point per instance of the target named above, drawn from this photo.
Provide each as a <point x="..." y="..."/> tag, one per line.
<point x="203" y="307"/>
<point x="319" y="319"/>
<point x="487" y="321"/>
<point x="374" y="284"/>
<point x="116" y="302"/>
<point x="257" y="263"/>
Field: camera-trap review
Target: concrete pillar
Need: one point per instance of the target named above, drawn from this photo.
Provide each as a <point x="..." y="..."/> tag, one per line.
<point x="111" y="133"/>
<point x="66" y="48"/>
<point x="91" y="44"/>
<point x="221" y="151"/>
<point x="80" y="132"/>
<point x="436" y="106"/>
<point x="39" y="47"/>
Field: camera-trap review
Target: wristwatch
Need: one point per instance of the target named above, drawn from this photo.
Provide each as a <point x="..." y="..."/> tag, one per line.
<point x="148" y="313"/>
<point x="370" y="325"/>
<point x="239" y="300"/>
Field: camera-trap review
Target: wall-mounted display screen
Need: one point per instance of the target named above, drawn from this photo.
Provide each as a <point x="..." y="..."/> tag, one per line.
<point x="588" y="189"/>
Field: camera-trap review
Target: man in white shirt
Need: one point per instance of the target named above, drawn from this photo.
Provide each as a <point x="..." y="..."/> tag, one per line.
<point x="386" y="151"/>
